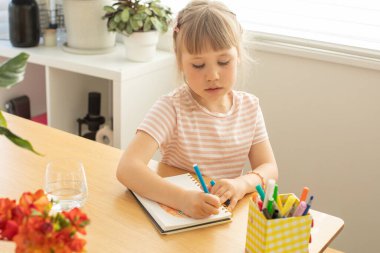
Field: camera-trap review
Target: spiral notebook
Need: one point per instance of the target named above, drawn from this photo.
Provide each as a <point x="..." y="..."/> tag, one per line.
<point x="169" y="221"/>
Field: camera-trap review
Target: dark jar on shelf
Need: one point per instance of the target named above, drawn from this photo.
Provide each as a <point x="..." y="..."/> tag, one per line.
<point x="24" y="23"/>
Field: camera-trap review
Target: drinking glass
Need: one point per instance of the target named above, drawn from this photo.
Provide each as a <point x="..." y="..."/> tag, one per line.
<point x="65" y="184"/>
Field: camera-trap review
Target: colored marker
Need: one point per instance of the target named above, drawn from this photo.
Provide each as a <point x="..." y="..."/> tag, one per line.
<point x="270" y="206"/>
<point x="267" y="214"/>
<point x="260" y="205"/>
<point x="279" y="205"/>
<point x="269" y="192"/>
<point x="255" y="196"/>
<point x="212" y="182"/>
<point x="275" y="192"/>
<point x="275" y="214"/>
<point x="199" y="175"/>
<point x="304" y="193"/>
<point x="260" y="191"/>
<point x="308" y="205"/>
<point x="292" y="210"/>
<point x="300" y="209"/>
<point x="288" y="205"/>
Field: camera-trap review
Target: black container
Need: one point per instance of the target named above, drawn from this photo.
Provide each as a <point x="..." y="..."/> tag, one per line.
<point x="24" y="23"/>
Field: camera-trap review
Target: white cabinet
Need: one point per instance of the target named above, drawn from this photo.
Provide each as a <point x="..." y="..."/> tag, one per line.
<point x="128" y="89"/>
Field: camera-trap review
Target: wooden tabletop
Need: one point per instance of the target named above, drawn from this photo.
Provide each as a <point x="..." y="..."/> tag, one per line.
<point x="118" y="224"/>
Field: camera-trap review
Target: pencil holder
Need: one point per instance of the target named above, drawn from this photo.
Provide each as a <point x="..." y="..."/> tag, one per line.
<point x="276" y="235"/>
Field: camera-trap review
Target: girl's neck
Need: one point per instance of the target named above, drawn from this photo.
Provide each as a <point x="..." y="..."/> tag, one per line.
<point x="222" y="105"/>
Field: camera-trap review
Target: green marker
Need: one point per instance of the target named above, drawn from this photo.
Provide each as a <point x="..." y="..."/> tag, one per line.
<point x="261" y="192"/>
<point x="275" y="192"/>
<point x="270" y="206"/>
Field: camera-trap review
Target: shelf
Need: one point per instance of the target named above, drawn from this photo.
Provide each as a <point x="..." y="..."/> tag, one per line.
<point x="112" y="65"/>
<point x="128" y="89"/>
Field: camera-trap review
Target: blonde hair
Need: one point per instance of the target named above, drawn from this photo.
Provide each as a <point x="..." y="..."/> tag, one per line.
<point x="204" y="24"/>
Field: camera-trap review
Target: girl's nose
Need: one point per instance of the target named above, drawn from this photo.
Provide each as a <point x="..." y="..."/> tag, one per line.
<point x="212" y="74"/>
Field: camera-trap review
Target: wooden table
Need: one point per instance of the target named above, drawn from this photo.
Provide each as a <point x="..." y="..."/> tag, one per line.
<point x="118" y="224"/>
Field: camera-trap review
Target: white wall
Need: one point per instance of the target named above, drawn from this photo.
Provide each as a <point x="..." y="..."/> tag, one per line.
<point x="4" y="27"/>
<point x="324" y="125"/>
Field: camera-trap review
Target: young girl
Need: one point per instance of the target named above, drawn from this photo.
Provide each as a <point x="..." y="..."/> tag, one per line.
<point x="204" y="121"/>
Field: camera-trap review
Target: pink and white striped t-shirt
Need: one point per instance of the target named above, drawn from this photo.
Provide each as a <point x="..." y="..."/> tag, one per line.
<point x="188" y="133"/>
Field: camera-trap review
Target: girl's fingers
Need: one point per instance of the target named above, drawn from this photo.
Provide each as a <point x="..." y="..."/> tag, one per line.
<point x="221" y="191"/>
<point x="209" y="209"/>
<point x="226" y="195"/>
<point x="233" y="203"/>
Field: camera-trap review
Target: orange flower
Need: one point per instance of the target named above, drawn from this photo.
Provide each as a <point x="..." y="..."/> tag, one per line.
<point x="37" y="201"/>
<point x="78" y="219"/>
<point x="33" y="230"/>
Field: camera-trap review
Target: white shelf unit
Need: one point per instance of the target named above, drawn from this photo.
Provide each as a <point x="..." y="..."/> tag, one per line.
<point x="128" y="88"/>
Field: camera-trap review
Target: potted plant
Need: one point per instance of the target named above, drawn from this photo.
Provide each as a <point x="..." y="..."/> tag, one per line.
<point x="140" y="22"/>
<point x="86" y="30"/>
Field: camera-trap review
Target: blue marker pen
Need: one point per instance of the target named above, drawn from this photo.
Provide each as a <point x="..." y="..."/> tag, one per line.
<point x="308" y="205"/>
<point x="199" y="175"/>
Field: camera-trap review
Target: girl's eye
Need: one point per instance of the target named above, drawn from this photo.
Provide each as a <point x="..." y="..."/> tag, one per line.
<point x="198" y="66"/>
<point x="223" y="63"/>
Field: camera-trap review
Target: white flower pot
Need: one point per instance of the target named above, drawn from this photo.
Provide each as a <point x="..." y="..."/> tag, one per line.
<point x="86" y="30"/>
<point x="141" y="46"/>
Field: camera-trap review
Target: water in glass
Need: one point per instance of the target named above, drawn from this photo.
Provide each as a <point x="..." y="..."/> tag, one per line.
<point x="65" y="184"/>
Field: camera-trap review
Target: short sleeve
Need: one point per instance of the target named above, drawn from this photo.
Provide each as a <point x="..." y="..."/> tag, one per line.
<point x="160" y="121"/>
<point x="260" y="129"/>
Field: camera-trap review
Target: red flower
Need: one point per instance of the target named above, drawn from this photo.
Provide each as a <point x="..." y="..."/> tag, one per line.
<point x="7" y="230"/>
<point x="78" y="219"/>
<point x="31" y="227"/>
<point x="10" y="230"/>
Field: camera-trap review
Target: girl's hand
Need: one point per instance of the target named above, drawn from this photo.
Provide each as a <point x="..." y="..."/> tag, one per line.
<point x="198" y="204"/>
<point x="231" y="189"/>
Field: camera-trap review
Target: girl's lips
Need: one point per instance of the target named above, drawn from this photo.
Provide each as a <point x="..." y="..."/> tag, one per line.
<point x="213" y="89"/>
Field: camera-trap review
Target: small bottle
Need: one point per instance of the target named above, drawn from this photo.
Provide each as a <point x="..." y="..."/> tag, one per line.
<point x="50" y="37"/>
<point x="24" y="23"/>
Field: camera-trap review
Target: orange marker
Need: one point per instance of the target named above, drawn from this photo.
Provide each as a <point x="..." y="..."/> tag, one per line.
<point x="255" y="196"/>
<point x="304" y="193"/>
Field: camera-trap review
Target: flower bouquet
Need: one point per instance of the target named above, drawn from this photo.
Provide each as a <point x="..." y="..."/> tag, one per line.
<point x="31" y="226"/>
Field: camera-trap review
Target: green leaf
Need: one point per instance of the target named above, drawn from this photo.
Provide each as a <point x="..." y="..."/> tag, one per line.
<point x="125" y="15"/>
<point x="121" y="26"/>
<point x="164" y="27"/>
<point x="36" y="213"/>
<point x="156" y="23"/>
<point x="12" y="70"/>
<point x="17" y="140"/>
<point x="140" y="16"/>
<point x="109" y="9"/>
<point x="147" y="25"/>
<point x="136" y="24"/>
<point x="129" y="29"/>
<point x="148" y="12"/>
<point x="117" y="18"/>
<point x="3" y="122"/>
<point x="112" y="25"/>
<point x="159" y="12"/>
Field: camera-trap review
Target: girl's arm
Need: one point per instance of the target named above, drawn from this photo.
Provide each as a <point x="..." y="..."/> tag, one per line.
<point x="133" y="172"/>
<point x="262" y="161"/>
